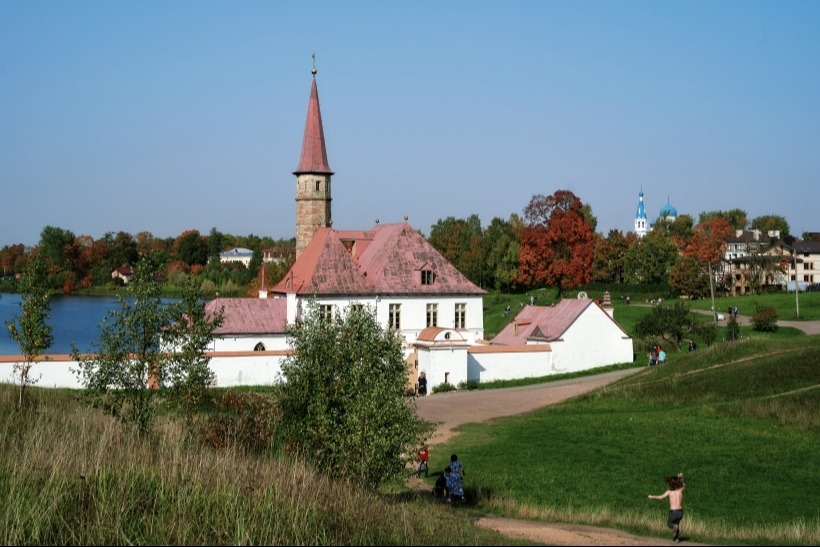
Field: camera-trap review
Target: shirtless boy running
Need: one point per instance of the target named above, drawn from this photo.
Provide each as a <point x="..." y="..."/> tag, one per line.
<point x="675" y="495"/>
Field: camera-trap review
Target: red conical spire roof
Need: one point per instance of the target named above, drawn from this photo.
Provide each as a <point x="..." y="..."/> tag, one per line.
<point x="314" y="154"/>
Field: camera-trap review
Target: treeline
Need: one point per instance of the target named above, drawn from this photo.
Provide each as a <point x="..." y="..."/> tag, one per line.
<point x="553" y="244"/>
<point x="81" y="263"/>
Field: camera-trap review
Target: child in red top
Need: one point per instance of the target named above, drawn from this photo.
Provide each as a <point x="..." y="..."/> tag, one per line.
<point x="423" y="456"/>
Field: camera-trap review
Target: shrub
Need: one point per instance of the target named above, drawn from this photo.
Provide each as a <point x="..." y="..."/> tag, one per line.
<point x="732" y="329"/>
<point x="764" y="318"/>
<point x="248" y="422"/>
<point x="443" y="388"/>
<point x="468" y="385"/>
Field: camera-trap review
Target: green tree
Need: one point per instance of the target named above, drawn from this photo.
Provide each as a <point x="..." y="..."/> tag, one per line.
<point x="672" y="323"/>
<point x="503" y="241"/>
<point x="767" y="223"/>
<point x="191" y="248"/>
<point x="187" y="373"/>
<point x="688" y="278"/>
<point x="460" y="241"/>
<point x="148" y="343"/>
<point x="30" y="329"/>
<point x="650" y="259"/>
<point x="343" y="404"/>
<point x="738" y="219"/>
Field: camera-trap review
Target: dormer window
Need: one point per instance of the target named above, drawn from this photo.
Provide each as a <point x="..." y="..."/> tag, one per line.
<point x="427" y="277"/>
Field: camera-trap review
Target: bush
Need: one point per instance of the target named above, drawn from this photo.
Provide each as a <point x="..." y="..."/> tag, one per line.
<point x="468" y="385"/>
<point x="764" y="318"/>
<point x="732" y="329"/>
<point x="248" y="422"/>
<point x="443" y="388"/>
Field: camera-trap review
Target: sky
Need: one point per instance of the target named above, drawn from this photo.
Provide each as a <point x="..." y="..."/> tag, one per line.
<point x="167" y="116"/>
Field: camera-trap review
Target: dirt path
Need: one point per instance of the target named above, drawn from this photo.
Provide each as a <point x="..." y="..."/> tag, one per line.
<point x="450" y="410"/>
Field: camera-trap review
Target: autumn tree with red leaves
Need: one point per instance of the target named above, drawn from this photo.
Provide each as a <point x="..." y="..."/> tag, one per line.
<point x="558" y="244"/>
<point x="707" y="246"/>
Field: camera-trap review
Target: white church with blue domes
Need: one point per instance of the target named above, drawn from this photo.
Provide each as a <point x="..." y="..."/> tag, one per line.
<point x="666" y="214"/>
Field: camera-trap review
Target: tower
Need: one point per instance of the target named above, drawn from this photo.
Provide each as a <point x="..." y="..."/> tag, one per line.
<point x="312" y="176"/>
<point x="640" y="217"/>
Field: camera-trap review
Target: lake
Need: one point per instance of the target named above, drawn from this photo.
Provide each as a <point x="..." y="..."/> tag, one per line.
<point x="72" y="318"/>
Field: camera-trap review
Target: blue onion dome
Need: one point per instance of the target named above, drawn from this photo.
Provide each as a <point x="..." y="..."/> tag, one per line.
<point x="668" y="211"/>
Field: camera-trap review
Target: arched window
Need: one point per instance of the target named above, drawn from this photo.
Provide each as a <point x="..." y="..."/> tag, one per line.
<point x="259" y="347"/>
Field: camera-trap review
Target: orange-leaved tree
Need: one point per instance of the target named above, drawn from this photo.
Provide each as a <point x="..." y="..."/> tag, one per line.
<point x="707" y="246"/>
<point x="558" y="244"/>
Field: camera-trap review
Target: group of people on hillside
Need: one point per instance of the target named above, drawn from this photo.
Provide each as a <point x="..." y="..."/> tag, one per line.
<point x="449" y="485"/>
<point x="656" y="356"/>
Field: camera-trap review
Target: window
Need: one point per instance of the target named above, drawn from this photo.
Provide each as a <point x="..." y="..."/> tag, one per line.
<point x="427" y="277"/>
<point x="395" y="316"/>
<point x="461" y="316"/>
<point x="317" y="185"/>
<point x="326" y="311"/>
<point x="432" y="315"/>
<point x="259" y="347"/>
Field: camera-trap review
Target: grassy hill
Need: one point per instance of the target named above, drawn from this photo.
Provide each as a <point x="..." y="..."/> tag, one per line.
<point x="740" y="419"/>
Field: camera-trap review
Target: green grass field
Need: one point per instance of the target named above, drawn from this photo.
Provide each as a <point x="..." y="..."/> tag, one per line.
<point x="740" y="419"/>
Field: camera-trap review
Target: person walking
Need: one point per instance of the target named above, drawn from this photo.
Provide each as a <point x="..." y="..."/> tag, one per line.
<point x="423" y="456"/>
<point x="674" y="492"/>
<point x="422" y="384"/>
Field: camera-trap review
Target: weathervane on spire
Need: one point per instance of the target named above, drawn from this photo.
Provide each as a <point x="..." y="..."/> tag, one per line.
<point x="314" y="64"/>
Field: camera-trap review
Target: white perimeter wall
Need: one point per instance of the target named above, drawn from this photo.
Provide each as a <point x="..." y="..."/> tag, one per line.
<point x="518" y="362"/>
<point x="231" y="369"/>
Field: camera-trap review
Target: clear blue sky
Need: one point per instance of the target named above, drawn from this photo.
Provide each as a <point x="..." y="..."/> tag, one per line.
<point x="164" y="116"/>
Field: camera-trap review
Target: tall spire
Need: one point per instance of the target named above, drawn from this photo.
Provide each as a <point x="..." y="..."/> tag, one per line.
<point x="314" y="154"/>
<point x="313" y="176"/>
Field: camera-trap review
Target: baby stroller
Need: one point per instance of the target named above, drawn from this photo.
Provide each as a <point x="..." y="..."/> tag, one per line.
<point x="440" y="488"/>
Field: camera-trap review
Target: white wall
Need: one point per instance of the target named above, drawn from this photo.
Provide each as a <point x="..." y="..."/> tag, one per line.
<point x="443" y="364"/>
<point x="414" y="313"/>
<point x="248" y="341"/>
<point x="231" y="369"/>
<point x="592" y="341"/>
<point x="514" y="363"/>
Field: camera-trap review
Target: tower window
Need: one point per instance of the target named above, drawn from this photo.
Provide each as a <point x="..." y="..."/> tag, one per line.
<point x="317" y="185"/>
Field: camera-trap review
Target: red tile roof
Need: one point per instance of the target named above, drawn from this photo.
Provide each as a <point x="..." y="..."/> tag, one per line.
<point x="543" y="323"/>
<point x="314" y="153"/>
<point x="250" y="315"/>
<point x="386" y="260"/>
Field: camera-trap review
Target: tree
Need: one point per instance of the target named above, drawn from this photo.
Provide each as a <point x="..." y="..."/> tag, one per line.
<point x="146" y="344"/>
<point x="672" y="323"/>
<point x="343" y="404"/>
<point x="608" y="265"/>
<point x="737" y="218"/>
<point x="460" y="241"/>
<point x="768" y="223"/>
<point x="650" y="259"/>
<point x="191" y="333"/>
<point x="688" y="278"/>
<point x="30" y="329"/>
<point x="503" y="241"/>
<point x="707" y="246"/>
<point x="558" y="244"/>
<point x="191" y="248"/>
